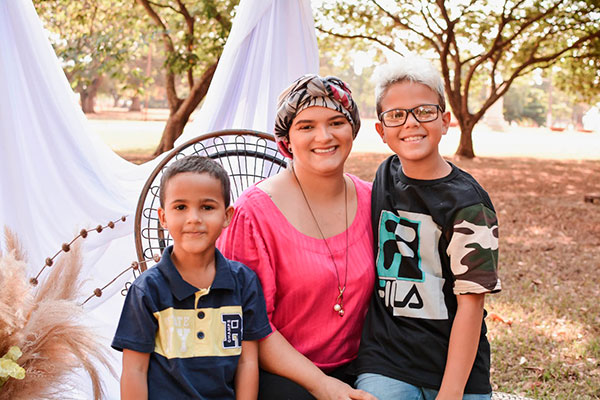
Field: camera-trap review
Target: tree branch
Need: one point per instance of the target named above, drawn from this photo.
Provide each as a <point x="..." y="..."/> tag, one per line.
<point x="225" y="23"/>
<point x="451" y="41"/>
<point x="440" y="28"/>
<point x="189" y="22"/>
<point x="405" y="26"/>
<point x="359" y="36"/>
<point x="172" y="97"/>
<point x="163" y="6"/>
<point x="532" y="61"/>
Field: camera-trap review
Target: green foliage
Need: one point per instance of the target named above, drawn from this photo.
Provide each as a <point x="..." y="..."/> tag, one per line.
<point x="525" y="102"/>
<point x="196" y="48"/>
<point x="111" y="39"/>
<point x="91" y="38"/>
<point x="354" y="66"/>
<point x="579" y="76"/>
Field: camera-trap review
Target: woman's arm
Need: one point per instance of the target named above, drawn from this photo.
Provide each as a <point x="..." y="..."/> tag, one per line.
<point x="277" y="356"/>
<point x="246" y="376"/>
<point x="134" y="378"/>
<point x="464" y="340"/>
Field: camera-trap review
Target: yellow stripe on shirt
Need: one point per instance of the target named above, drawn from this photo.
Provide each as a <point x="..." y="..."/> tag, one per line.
<point x="200" y="332"/>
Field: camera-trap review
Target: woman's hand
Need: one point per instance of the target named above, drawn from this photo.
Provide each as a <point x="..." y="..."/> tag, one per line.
<point x="334" y="389"/>
<point x="279" y="357"/>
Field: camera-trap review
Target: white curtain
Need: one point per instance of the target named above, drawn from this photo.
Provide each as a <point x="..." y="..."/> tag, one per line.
<point x="57" y="176"/>
<point x="270" y="45"/>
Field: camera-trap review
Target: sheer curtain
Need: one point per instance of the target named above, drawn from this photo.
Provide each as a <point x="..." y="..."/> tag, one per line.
<point x="57" y="176"/>
<point x="270" y="45"/>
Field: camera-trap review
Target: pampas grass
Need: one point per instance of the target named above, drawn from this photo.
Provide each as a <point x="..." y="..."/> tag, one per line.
<point x="45" y="323"/>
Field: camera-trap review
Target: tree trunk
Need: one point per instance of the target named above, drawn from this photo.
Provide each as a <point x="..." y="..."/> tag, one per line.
<point x="116" y="97"/>
<point x="136" y="104"/>
<point x="88" y="101"/>
<point x="179" y="113"/>
<point x="87" y="96"/>
<point x="173" y="129"/>
<point x="577" y="117"/>
<point x="465" y="145"/>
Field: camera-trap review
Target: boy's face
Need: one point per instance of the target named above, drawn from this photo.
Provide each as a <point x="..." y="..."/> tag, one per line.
<point x="194" y="212"/>
<point x="414" y="141"/>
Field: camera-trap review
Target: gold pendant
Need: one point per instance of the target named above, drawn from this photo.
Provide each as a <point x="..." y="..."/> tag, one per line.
<point x="338" y="305"/>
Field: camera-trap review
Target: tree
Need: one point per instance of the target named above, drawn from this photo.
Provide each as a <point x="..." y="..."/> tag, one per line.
<point x="525" y="102"/>
<point x="92" y="39"/>
<point x="193" y="35"/>
<point x="494" y="42"/>
<point x="579" y="74"/>
<point x="354" y="66"/>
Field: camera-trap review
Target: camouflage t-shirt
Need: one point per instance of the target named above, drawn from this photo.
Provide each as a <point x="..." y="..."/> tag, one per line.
<point x="433" y="240"/>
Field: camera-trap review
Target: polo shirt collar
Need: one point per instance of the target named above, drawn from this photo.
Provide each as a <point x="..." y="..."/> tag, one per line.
<point x="182" y="289"/>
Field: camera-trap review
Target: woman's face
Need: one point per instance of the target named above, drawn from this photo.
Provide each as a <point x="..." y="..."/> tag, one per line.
<point x="321" y="140"/>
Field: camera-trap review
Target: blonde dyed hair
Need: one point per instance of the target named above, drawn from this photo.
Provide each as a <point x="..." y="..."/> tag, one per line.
<point x="408" y="69"/>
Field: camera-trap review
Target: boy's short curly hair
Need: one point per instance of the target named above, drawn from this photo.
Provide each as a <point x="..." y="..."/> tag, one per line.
<point x="198" y="165"/>
<point x="412" y="69"/>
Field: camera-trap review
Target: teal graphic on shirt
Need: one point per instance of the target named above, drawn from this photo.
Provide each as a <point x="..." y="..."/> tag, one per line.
<point x="408" y="265"/>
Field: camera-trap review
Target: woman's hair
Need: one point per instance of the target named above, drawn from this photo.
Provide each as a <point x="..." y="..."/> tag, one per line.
<point x="198" y="165"/>
<point x="412" y="69"/>
<point x="309" y="91"/>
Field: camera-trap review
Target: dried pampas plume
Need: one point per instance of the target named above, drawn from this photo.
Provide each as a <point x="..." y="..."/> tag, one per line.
<point x="45" y="323"/>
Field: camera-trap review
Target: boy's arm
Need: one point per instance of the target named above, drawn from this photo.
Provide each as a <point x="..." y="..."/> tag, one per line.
<point x="134" y="378"/>
<point x="462" y="349"/>
<point x="246" y="376"/>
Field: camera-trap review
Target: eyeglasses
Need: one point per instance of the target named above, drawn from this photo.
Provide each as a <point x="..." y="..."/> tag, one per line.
<point x="398" y="116"/>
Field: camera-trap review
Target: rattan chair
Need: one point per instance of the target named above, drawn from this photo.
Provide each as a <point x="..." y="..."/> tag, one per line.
<point x="247" y="156"/>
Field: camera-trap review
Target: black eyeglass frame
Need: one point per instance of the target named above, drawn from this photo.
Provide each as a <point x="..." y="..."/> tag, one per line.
<point x="410" y="110"/>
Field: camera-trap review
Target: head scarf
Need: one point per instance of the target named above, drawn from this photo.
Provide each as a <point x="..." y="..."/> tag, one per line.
<point x="309" y="91"/>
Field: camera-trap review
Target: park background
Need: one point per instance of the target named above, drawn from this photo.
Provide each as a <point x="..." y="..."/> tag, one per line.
<point x="526" y="94"/>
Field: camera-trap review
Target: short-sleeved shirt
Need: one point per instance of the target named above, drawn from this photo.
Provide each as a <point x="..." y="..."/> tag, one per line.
<point x="433" y="240"/>
<point x="194" y="336"/>
<point x="300" y="280"/>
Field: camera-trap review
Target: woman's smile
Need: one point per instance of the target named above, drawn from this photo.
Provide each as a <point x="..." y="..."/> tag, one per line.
<point x="325" y="150"/>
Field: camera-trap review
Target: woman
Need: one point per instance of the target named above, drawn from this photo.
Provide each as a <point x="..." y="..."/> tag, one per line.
<point x="306" y="232"/>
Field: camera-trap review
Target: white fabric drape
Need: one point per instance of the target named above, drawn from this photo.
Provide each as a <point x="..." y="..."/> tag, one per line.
<point x="57" y="176"/>
<point x="271" y="44"/>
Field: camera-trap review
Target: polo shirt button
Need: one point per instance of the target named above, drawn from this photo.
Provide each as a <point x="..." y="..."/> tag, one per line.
<point x="201" y="314"/>
<point x="200" y="335"/>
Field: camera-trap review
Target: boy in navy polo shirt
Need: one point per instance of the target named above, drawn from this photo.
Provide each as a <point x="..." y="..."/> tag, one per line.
<point x="190" y="325"/>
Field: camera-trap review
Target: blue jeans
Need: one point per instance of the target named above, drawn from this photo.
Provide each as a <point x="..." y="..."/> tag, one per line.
<point x="385" y="388"/>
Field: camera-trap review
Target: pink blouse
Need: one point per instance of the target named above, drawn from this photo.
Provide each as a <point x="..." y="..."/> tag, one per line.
<point x="298" y="278"/>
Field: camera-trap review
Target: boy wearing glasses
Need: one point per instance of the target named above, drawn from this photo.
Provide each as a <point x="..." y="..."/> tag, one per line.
<point x="436" y="247"/>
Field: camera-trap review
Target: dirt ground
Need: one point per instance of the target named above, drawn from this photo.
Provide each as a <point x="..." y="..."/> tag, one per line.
<point x="544" y="327"/>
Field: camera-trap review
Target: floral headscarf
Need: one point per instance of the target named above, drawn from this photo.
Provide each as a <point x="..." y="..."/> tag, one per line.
<point x="309" y="91"/>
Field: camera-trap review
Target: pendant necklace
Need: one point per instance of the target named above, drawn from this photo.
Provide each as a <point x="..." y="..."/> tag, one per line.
<point x="339" y="306"/>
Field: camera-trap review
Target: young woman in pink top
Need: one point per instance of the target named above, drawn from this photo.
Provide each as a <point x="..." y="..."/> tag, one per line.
<point x="306" y="232"/>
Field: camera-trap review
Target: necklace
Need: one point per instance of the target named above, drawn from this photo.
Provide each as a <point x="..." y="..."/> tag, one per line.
<point x="339" y="306"/>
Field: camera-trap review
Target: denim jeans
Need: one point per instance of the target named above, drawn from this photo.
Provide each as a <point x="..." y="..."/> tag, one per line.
<point x="385" y="388"/>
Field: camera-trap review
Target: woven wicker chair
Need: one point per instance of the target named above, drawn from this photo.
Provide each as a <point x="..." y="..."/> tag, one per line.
<point x="247" y="156"/>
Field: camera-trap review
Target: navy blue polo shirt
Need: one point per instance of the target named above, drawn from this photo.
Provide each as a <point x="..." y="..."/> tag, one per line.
<point x="194" y="336"/>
